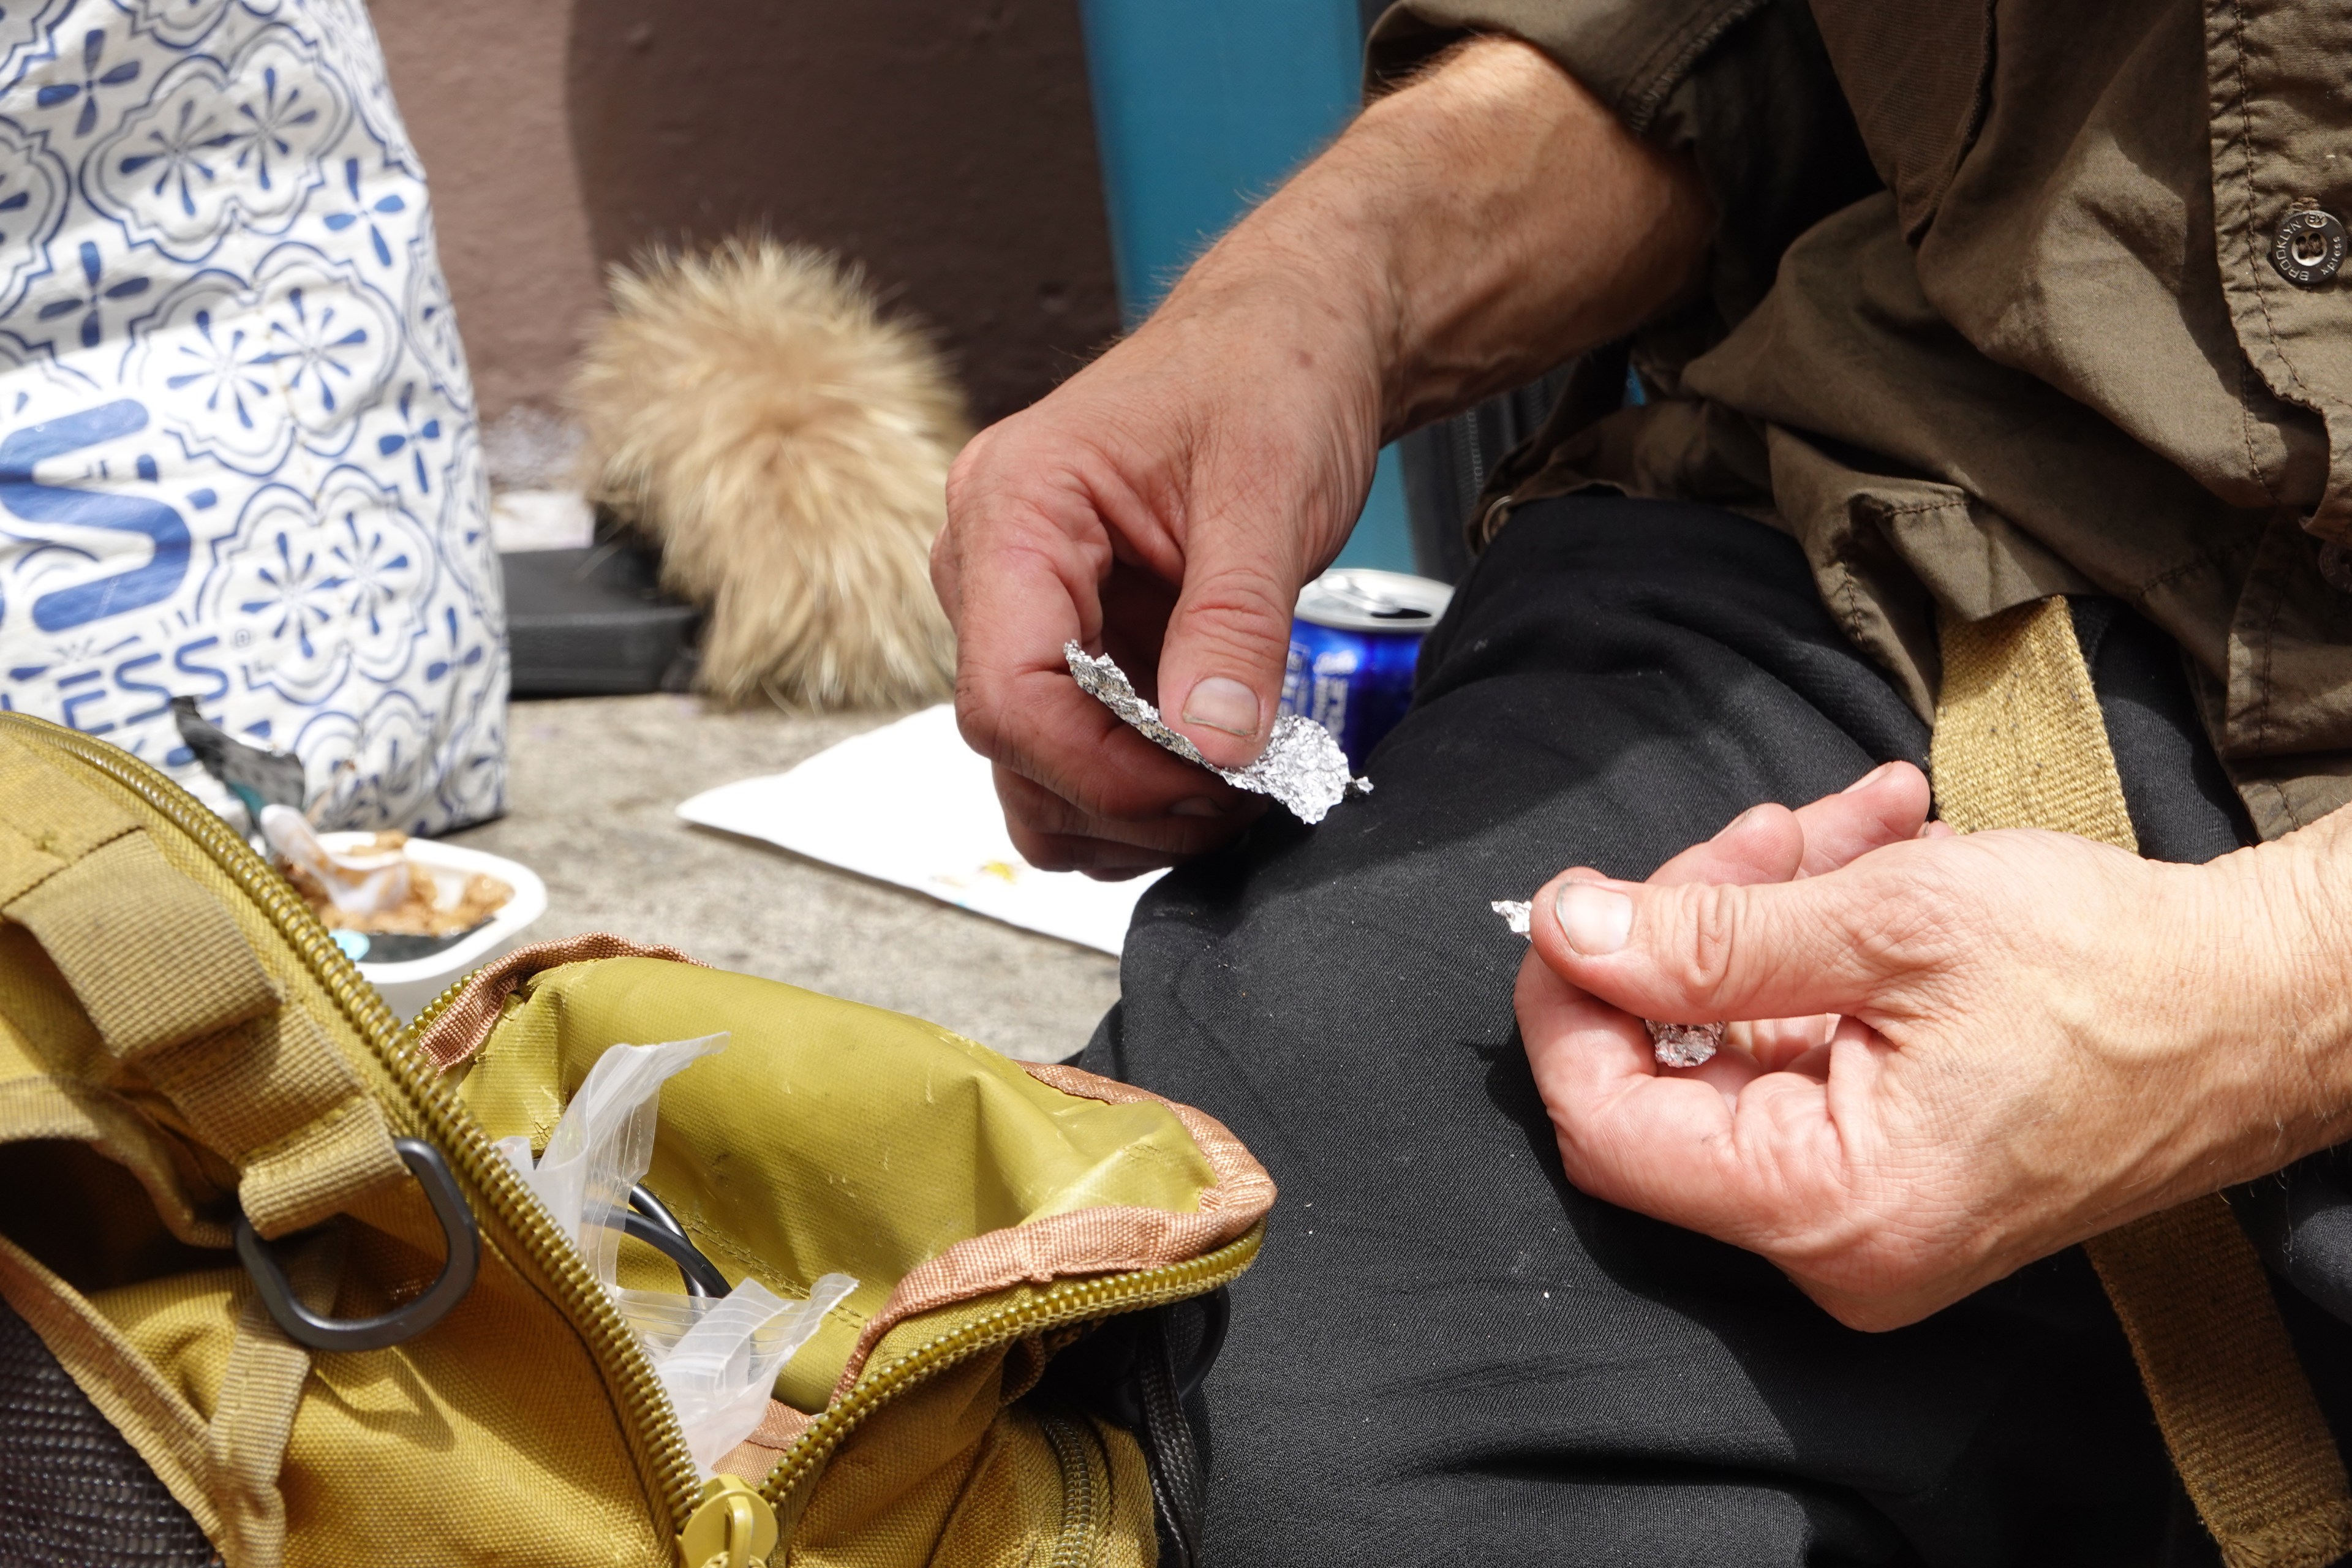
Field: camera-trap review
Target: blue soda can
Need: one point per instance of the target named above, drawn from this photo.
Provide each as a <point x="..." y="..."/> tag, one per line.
<point x="1353" y="642"/>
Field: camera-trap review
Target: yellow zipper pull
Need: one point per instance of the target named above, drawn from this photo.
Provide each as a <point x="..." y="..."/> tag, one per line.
<point x="732" y="1527"/>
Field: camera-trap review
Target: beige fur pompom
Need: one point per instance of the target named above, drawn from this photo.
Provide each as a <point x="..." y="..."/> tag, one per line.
<point x="751" y="411"/>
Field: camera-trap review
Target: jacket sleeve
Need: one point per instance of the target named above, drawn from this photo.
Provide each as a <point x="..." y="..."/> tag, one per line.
<point x="1744" y="86"/>
<point x="1630" y="53"/>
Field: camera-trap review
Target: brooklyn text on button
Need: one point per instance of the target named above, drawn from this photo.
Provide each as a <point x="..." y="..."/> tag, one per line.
<point x="2309" y="249"/>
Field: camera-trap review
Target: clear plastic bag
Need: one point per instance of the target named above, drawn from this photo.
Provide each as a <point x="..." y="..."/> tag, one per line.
<point x="360" y="884"/>
<point x="717" y="1357"/>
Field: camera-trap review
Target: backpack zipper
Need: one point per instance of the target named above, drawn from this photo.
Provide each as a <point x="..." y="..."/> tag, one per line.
<point x="645" y="1408"/>
<point x="646" y="1416"/>
<point x="1073" y="1544"/>
<point x="1071" y="1301"/>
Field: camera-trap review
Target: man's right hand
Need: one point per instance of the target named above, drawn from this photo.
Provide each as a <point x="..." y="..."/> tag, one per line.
<point x="1472" y="229"/>
<point x="1164" y="507"/>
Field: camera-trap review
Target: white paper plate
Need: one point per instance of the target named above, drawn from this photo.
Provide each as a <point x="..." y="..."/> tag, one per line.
<point x="408" y="986"/>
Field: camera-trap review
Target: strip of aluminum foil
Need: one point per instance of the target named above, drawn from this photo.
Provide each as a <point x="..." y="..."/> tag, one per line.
<point x="1302" y="766"/>
<point x="1675" y="1045"/>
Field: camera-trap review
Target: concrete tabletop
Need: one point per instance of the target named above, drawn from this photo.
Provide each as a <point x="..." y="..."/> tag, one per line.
<point x="592" y="791"/>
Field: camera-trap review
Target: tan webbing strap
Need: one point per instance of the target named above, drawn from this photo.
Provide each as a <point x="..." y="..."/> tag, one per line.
<point x="168" y="981"/>
<point x="259" y="1393"/>
<point x="47" y="821"/>
<point x="2018" y="743"/>
<point x="151" y="959"/>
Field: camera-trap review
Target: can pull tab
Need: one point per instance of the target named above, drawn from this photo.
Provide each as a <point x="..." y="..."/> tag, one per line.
<point x="732" y="1527"/>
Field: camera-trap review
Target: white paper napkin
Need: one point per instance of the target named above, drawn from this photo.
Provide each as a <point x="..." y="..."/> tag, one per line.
<point x="911" y="805"/>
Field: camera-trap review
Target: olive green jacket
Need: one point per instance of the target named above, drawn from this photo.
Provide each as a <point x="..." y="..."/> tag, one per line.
<point x="2007" y="299"/>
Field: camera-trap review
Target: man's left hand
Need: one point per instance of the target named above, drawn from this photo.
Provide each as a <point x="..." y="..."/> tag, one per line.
<point x="2035" y="1039"/>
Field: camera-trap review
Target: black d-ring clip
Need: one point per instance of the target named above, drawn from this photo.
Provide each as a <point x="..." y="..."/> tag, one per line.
<point x="409" y="1319"/>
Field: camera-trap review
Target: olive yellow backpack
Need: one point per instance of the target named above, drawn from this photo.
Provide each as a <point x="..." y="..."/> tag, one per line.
<point x="272" y="1297"/>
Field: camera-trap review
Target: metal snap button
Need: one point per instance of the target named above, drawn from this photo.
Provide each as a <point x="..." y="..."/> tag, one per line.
<point x="2309" y="248"/>
<point x="2336" y="567"/>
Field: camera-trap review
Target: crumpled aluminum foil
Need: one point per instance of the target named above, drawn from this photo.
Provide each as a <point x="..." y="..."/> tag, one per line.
<point x="1302" y="766"/>
<point x="1675" y="1045"/>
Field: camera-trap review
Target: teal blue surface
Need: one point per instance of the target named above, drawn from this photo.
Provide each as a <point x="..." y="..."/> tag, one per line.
<point x="1201" y="106"/>
<point x="1383" y="536"/>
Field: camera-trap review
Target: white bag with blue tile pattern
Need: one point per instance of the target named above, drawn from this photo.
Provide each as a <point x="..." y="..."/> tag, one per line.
<point x="238" y="451"/>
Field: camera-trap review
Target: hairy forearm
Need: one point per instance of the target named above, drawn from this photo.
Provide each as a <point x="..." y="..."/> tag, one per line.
<point x="1468" y="231"/>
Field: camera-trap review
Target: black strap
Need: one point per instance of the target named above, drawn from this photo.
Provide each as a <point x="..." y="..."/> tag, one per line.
<point x="1179" y="1485"/>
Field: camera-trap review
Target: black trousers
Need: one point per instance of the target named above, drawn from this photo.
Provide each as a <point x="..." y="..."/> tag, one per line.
<point x="1448" y="1354"/>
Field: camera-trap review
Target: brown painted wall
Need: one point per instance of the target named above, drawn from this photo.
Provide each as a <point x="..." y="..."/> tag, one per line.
<point x="482" y="84"/>
<point x="948" y="144"/>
